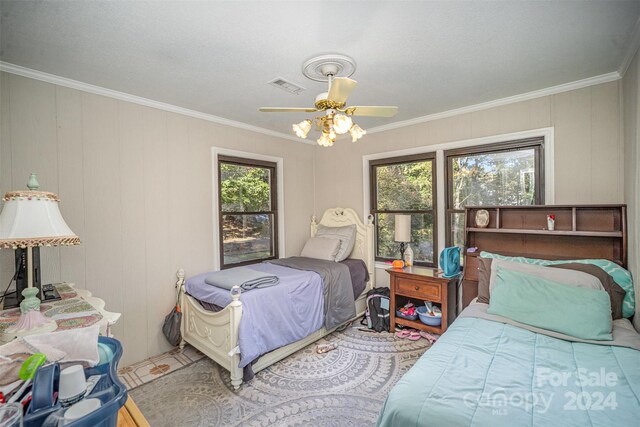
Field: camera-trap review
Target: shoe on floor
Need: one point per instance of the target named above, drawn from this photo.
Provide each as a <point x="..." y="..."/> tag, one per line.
<point x="403" y="333"/>
<point x="428" y="337"/>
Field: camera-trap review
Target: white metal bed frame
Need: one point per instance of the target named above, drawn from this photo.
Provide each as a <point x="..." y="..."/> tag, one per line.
<point x="216" y="333"/>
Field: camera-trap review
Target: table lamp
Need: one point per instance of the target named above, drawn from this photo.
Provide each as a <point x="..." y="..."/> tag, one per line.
<point x="29" y="219"/>
<point x="403" y="232"/>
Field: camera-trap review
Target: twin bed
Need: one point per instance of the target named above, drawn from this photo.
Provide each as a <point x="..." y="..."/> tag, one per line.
<point x="534" y="353"/>
<point x="245" y="332"/>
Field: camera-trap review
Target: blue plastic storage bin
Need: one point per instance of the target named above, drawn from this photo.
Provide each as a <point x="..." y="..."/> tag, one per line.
<point x="428" y="320"/>
<point x="109" y="389"/>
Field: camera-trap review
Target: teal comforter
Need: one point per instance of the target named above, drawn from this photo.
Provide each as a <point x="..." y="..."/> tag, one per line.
<point x="487" y="373"/>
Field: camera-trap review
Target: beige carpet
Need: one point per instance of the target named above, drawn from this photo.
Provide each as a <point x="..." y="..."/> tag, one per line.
<point x="344" y="387"/>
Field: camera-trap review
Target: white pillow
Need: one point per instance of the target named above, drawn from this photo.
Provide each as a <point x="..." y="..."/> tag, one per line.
<point x="345" y="234"/>
<point x="575" y="278"/>
<point x="321" y="248"/>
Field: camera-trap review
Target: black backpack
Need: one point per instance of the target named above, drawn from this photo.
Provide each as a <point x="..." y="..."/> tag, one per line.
<point x="376" y="316"/>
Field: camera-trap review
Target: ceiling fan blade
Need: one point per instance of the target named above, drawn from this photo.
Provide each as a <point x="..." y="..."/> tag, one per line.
<point x="341" y="87"/>
<point x="287" y="110"/>
<point x="377" y="111"/>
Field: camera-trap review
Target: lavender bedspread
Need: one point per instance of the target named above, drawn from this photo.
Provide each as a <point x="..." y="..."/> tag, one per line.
<point x="337" y="290"/>
<point x="287" y="312"/>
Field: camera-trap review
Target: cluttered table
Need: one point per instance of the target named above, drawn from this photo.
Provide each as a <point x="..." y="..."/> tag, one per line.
<point x="77" y="309"/>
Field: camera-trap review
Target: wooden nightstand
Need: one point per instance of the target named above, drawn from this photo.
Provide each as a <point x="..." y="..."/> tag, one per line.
<point x="419" y="284"/>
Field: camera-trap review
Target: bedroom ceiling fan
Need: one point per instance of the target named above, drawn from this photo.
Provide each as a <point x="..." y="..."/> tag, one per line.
<point x="337" y="118"/>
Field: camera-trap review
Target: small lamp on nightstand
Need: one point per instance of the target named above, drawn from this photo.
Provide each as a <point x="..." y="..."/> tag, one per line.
<point x="30" y="219"/>
<point x="403" y="232"/>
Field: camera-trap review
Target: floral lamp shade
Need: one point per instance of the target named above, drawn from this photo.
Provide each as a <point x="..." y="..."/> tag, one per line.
<point x="29" y="219"/>
<point x="32" y="218"/>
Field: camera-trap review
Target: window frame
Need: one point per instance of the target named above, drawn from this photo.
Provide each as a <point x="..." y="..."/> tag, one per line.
<point x="373" y="197"/>
<point x="537" y="143"/>
<point x="244" y="161"/>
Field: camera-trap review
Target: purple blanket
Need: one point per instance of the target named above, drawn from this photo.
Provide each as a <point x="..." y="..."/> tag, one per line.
<point x="282" y="314"/>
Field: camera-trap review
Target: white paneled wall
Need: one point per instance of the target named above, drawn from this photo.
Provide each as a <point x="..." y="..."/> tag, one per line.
<point x="135" y="185"/>
<point x="589" y="160"/>
<point x="631" y="131"/>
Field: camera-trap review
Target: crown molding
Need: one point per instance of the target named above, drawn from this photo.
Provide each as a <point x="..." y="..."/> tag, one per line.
<point x="632" y="48"/>
<point x="578" y="84"/>
<point x="74" y="84"/>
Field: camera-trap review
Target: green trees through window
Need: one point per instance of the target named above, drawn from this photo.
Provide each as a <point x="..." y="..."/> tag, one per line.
<point x="496" y="175"/>
<point x="247" y="200"/>
<point x="404" y="185"/>
<point x="506" y="173"/>
<point x="244" y="188"/>
<point x="503" y="178"/>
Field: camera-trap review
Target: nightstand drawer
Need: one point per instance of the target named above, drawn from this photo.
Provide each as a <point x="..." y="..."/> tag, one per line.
<point x="418" y="288"/>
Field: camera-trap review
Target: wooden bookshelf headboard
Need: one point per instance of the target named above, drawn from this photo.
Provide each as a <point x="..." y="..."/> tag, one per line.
<point x="581" y="231"/>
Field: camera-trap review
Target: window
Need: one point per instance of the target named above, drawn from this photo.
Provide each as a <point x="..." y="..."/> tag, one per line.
<point x="405" y="185"/>
<point x="248" y="213"/>
<point x="510" y="173"/>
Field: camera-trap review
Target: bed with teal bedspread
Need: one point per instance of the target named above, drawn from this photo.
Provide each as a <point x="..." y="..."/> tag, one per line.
<point x="489" y="373"/>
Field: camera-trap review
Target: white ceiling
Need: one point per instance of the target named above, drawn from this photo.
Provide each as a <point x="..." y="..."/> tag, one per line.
<point x="217" y="57"/>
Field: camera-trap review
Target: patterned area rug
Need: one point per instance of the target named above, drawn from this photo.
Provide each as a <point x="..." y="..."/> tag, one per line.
<point x="344" y="387"/>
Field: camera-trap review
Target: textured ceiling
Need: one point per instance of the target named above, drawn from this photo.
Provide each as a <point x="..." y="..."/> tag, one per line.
<point x="217" y="57"/>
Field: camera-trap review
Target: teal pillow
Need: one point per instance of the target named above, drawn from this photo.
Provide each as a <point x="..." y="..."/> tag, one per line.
<point x="578" y="312"/>
<point x="621" y="276"/>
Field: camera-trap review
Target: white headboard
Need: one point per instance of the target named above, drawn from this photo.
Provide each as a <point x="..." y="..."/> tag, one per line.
<point x="363" y="249"/>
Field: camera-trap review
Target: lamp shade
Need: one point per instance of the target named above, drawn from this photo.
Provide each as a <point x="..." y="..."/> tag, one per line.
<point x="342" y="123"/>
<point x="356" y="132"/>
<point x="32" y="218"/>
<point x="302" y="129"/>
<point x="403" y="228"/>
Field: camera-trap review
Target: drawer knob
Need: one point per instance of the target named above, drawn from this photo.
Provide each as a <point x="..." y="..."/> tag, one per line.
<point x="417" y="288"/>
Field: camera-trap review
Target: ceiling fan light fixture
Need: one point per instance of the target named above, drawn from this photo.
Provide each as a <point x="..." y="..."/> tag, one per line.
<point x="342" y="123"/>
<point x="325" y="140"/>
<point x="332" y="133"/>
<point x="336" y="117"/>
<point x="356" y="132"/>
<point x="302" y="129"/>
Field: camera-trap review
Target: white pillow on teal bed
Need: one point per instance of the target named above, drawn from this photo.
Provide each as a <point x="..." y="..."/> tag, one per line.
<point x="321" y="248"/>
<point x="567" y="277"/>
<point x="621" y="276"/>
<point x="345" y="234"/>
<point x="532" y="300"/>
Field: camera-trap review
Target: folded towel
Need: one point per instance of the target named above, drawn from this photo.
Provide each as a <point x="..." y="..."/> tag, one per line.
<point x="69" y="346"/>
<point x="79" y="344"/>
<point x="244" y="277"/>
